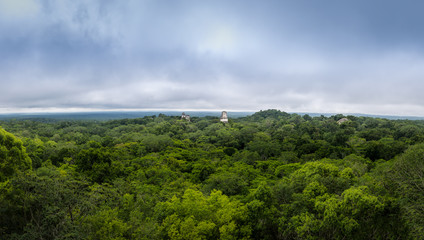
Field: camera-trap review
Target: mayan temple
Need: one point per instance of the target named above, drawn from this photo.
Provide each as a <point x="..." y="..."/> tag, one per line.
<point x="184" y="116"/>
<point x="224" y="117"/>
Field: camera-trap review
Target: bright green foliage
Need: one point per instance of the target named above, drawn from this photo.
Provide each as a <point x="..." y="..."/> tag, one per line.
<point x="355" y="214"/>
<point x="13" y="157"/>
<point x="330" y="175"/>
<point x="272" y="175"/>
<point x="105" y="224"/>
<point x="263" y="214"/>
<point x="196" y="216"/>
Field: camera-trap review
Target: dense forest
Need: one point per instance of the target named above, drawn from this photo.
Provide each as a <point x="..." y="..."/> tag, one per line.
<point x="271" y="175"/>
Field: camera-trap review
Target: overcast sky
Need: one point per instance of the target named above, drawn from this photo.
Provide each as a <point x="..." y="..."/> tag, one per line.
<point x="336" y="56"/>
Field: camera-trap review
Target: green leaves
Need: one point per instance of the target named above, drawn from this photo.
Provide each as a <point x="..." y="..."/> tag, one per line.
<point x="41" y="205"/>
<point x="13" y="157"/>
<point x="272" y="175"/>
<point x="407" y="176"/>
<point x="105" y="224"/>
<point x="196" y="216"/>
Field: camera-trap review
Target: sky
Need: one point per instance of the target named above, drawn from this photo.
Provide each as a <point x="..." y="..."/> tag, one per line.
<point x="327" y="56"/>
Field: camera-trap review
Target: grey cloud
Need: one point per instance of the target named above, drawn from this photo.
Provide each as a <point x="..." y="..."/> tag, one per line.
<point x="297" y="56"/>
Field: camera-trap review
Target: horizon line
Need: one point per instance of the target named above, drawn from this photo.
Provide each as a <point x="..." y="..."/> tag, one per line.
<point x="29" y="111"/>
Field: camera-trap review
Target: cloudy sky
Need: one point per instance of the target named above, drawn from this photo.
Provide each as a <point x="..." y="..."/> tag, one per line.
<point x="332" y="56"/>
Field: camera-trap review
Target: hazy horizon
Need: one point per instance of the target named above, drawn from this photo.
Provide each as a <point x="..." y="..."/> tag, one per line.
<point x="138" y="113"/>
<point x="90" y="110"/>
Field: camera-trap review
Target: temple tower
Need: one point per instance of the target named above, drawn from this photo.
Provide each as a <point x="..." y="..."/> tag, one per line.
<point x="224" y="117"/>
<point x="186" y="117"/>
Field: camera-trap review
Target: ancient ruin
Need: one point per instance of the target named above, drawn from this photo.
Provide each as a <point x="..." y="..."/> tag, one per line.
<point x="342" y="120"/>
<point x="224" y="117"/>
<point x="185" y="117"/>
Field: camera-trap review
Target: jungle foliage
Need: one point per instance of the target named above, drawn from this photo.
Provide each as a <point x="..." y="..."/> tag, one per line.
<point x="271" y="175"/>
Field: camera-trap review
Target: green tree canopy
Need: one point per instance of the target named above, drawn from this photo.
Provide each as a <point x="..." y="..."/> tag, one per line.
<point x="13" y="156"/>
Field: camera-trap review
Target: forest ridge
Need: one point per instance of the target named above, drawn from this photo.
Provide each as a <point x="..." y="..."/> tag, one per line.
<point x="271" y="175"/>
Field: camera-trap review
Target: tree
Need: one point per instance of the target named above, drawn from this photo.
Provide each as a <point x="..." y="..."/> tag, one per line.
<point x="263" y="215"/>
<point x="41" y="205"/>
<point x="13" y="156"/>
<point x="104" y="224"/>
<point x="407" y="175"/>
<point x="96" y="163"/>
<point x="195" y="216"/>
